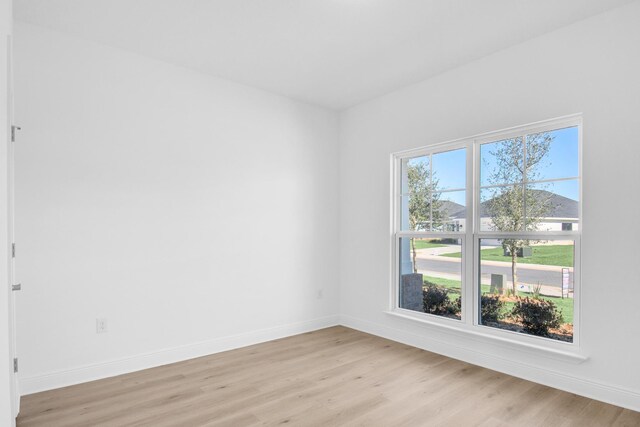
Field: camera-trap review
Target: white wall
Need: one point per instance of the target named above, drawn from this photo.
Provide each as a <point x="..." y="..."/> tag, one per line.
<point x="6" y="417"/>
<point x="591" y="67"/>
<point x="193" y="213"/>
<point x="196" y="214"/>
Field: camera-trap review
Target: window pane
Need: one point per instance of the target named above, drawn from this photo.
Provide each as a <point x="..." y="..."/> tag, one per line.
<point x="502" y="162"/>
<point x="552" y="206"/>
<point x="416" y="213"/>
<point x="449" y="211"/>
<point x="449" y="170"/>
<point x="502" y="208"/>
<point x="541" y="302"/>
<point x="416" y="172"/>
<point x="431" y="276"/>
<point x="552" y="155"/>
<point x="417" y="194"/>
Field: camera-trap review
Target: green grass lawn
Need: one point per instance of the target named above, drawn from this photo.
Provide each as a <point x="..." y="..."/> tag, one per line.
<point x="450" y="284"/>
<point x="565" y="305"/>
<point x="560" y="255"/>
<point x="425" y="244"/>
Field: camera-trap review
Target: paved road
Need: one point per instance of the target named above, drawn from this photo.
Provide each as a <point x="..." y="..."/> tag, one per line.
<point x="525" y="275"/>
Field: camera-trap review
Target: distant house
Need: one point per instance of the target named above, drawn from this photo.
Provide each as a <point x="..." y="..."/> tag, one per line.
<point x="563" y="213"/>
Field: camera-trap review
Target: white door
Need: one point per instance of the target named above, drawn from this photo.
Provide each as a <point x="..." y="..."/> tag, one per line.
<point x="14" y="251"/>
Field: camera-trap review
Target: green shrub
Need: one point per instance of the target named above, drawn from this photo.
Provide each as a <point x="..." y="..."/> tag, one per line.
<point x="436" y="301"/>
<point x="536" y="315"/>
<point x="457" y="305"/>
<point x="491" y="308"/>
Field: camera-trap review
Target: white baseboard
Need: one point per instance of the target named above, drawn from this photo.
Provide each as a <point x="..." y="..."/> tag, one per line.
<point x="598" y="391"/>
<point x="606" y="393"/>
<point x="53" y="380"/>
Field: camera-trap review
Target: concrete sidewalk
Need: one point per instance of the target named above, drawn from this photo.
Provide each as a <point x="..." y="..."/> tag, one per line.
<point x="449" y="249"/>
<point x="545" y="290"/>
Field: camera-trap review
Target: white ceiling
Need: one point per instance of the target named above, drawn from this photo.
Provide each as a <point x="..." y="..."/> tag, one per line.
<point x="334" y="53"/>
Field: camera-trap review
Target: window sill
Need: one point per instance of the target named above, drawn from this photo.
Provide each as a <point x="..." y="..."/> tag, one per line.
<point x="545" y="351"/>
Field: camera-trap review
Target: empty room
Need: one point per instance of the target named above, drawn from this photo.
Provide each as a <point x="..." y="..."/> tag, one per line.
<point x="319" y="213"/>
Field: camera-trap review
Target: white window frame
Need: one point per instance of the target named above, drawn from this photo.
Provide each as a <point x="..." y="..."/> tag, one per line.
<point x="471" y="236"/>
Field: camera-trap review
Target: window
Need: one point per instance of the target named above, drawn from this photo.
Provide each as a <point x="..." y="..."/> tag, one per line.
<point x="487" y="232"/>
<point x="432" y="220"/>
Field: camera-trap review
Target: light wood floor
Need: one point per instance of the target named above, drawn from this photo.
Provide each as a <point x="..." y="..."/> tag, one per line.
<point x="331" y="377"/>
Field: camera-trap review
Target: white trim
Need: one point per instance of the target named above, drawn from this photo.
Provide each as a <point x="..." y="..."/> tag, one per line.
<point x="433" y="148"/>
<point x="15" y="378"/>
<point x="565" y="350"/>
<point x="531" y="235"/>
<point x="531" y="182"/>
<point x="110" y="368"/>
<point x="448" y="190"/>
<point x="469" y="300"/>
<point x="484" y="333"/>
<point x="432" y="234"/>
<point x="594" y="390"/>
<point x="536" y="127"/>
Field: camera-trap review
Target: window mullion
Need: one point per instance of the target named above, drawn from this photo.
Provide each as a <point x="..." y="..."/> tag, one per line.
<point x="431" y="192"/>
<point x="524" y="183"/>
<point x="469" y="294"/>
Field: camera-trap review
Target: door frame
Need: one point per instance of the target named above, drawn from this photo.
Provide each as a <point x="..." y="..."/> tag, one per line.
<point x="14" y="386"/>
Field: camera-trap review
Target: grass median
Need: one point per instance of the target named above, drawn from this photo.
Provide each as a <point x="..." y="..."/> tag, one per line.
<point x="558" y="255"/>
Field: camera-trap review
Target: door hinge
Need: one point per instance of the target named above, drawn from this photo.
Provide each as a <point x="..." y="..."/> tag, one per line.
<point x="17" y="287"/>
<point x="13" y="250"/>
<point x="13" y="132"/>
<point x="15" y="365"/>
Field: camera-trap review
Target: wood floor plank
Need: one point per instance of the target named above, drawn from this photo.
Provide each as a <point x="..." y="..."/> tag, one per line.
<point x="331" y="377"/>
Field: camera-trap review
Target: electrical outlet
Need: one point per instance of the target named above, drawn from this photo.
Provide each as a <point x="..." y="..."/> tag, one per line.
<point x="101" y="325"/>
